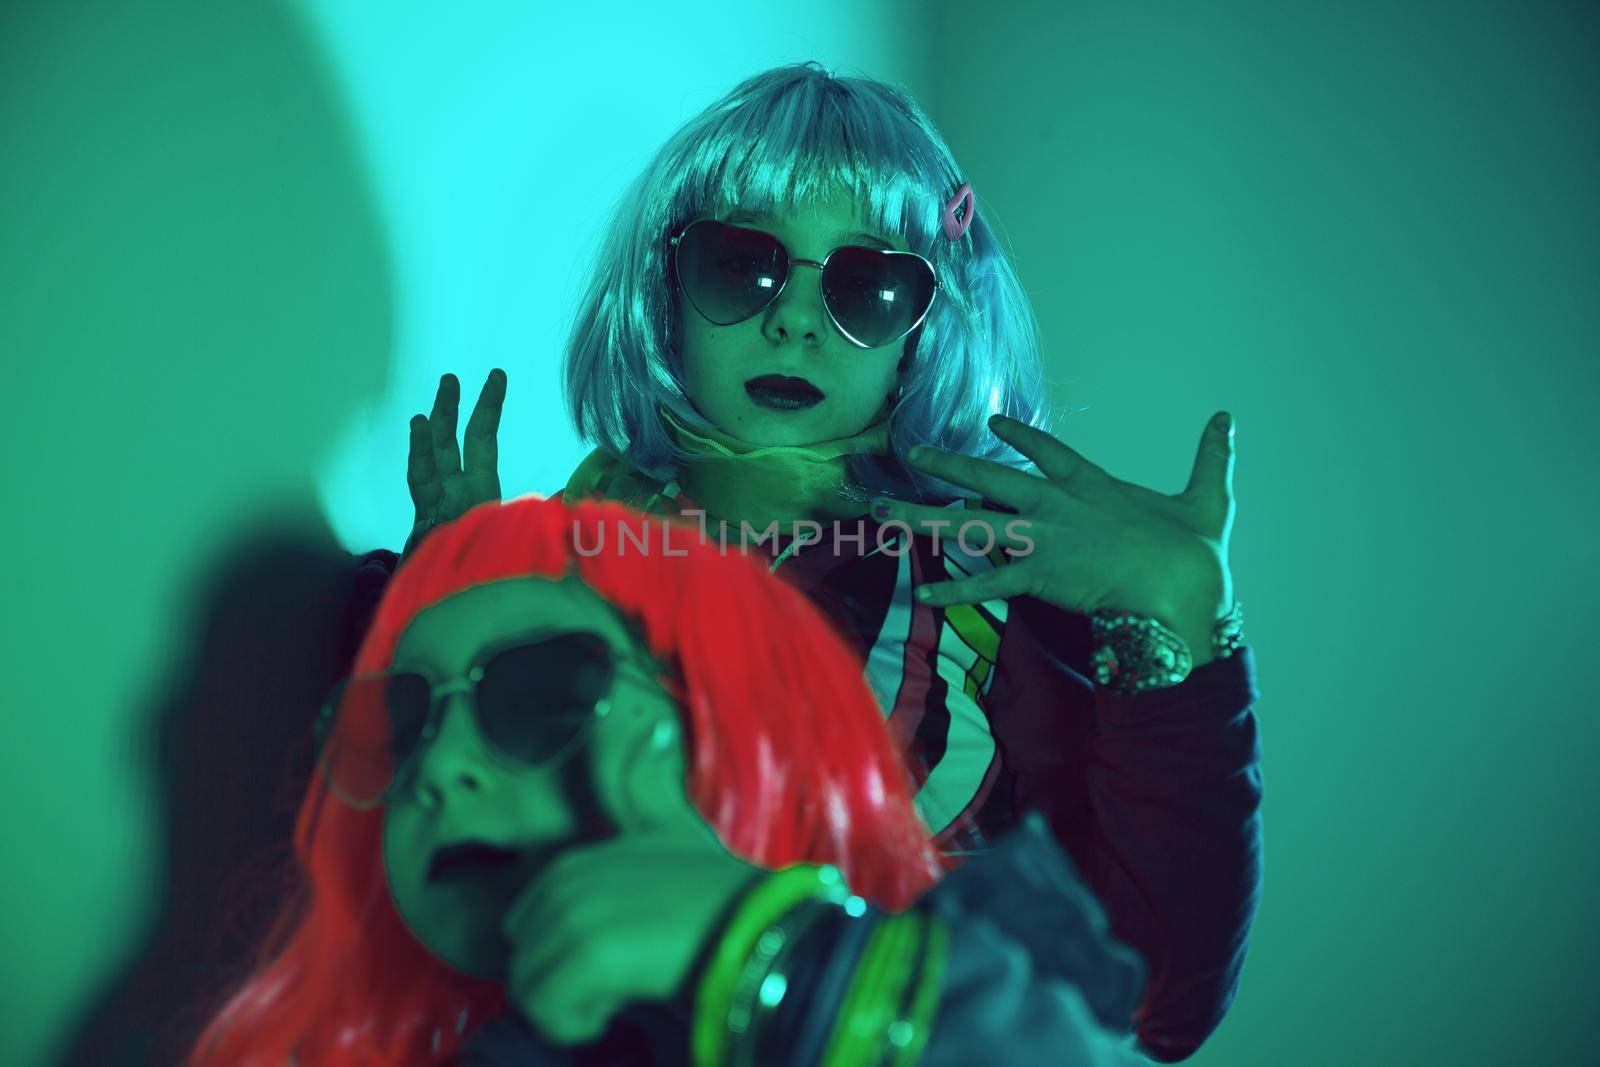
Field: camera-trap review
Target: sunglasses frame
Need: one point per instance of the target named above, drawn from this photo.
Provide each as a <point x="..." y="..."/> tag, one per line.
<point x="676" y="244"/>
<point x="441" y="689"/>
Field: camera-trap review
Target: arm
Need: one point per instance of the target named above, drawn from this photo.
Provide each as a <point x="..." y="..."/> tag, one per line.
<point x="373" y="571"/>
<point x="1033" y="974"/>
<point x="1023" y="971"/>
<point x="1175" y="783"/>
<point x="997" y="1007"/>
<point x="1157" y="795"/>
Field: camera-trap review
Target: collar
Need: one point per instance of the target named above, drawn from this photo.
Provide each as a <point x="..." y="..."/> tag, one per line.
<point x="737" y="480"/>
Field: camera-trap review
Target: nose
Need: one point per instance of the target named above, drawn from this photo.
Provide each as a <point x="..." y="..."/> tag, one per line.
<point x="453" y="763"/>
<point x="797" y="315"/>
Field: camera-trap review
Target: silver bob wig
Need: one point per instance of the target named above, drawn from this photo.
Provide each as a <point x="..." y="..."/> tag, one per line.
<point x="775" y="140"/>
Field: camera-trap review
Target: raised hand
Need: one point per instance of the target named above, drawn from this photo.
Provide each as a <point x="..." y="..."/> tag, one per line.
<point x="442" y="486"/>
<point x="1084" y="540"/>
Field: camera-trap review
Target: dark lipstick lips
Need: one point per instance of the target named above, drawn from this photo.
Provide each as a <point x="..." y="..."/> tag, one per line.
<point x="470" y="857"/>
<point x="783" y="393"/>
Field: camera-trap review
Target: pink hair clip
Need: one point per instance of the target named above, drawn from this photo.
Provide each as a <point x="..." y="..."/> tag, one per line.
<point x="955" y="227"/>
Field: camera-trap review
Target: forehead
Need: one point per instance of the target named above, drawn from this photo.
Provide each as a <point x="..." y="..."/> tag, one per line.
<point x="447" y="636"/>
<point x="833" y="216"/>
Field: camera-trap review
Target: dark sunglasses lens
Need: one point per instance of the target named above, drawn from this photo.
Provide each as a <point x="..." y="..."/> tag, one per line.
<point x="377" y="724"/>
<point x="876" y="297"/>
<point x="729" y="273"/>
<point x="535" y="700"/>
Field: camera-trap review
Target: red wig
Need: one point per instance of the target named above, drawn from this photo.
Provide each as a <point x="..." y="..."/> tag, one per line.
<point x="790" y="762"/>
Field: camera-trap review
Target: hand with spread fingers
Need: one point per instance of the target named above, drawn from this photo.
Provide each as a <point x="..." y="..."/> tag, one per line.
<point x="442" y="486"/>
<point x="1084" y="540"/>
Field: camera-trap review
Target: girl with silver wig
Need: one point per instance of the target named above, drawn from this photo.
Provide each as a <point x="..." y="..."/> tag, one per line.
<point x="780" y="138"/>
<point x="801" y="326"/>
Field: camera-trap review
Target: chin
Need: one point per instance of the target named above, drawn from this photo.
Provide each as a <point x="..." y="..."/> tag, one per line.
<point x="761" y="426"/>
<point x="758" y="425"/>
<point x="780" y="435"/>
<point x="788" y="435"/>
<point x="467" y="939"/>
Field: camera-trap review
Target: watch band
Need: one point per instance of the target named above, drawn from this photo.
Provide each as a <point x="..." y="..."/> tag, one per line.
<point x="1134" y="653"/>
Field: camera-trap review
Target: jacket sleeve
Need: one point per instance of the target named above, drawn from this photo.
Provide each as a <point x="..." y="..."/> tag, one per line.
<point x="375" y="568"/>
<point x="1156" y="796"/>
<point x="373" y="571"/>
<point x="997" y="1007"/>
<point x="1031" y="974"/>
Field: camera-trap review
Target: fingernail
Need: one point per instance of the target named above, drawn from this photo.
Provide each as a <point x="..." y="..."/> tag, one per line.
<point x="880" y="510"/>
<point x="1225" y="423"/>
<point x="924" y="594"/>
<point x="918" y="454"/>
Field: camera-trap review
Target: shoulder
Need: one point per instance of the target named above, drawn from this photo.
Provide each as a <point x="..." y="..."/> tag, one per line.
<point x="598" y="469"/>
<point x="608" y="476"/>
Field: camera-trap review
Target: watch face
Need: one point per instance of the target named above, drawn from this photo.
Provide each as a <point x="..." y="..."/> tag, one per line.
<point x="1133" y="653"/>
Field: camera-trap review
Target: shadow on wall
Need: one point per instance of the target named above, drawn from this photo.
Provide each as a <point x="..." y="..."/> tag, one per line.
<point x="232" y="754"/>
<point x="195" y="272"/>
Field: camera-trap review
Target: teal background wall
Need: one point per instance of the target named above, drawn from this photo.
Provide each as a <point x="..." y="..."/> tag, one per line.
<point x="195" y="290"/>
<point x="1372" y="232"/>
<point x="240" y="244"/>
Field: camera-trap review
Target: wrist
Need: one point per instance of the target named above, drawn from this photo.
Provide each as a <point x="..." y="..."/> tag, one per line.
<point x="419" y="530"/>
<point x="736" y="965"/>
<point x="1135" y="652"/>
<point x="1191" y="598"/>
<point x="1195" y="633"/>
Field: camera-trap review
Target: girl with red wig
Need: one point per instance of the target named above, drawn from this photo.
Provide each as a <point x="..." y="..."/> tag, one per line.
<point x="572" y="746"/>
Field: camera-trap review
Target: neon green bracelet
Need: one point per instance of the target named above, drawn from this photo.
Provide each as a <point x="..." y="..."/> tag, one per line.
<point x="909" y="1035"/>
<point x="860" y="1033"/>
<point x="760" y="908"/>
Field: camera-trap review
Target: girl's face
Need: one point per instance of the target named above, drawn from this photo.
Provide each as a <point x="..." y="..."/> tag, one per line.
<point x="464" y="830"/>
<point x="730" y="370"/>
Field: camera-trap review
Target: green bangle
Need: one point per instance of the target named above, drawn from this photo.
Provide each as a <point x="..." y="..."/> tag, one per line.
<point x="773" y="897"/>
<point x="909" y="1034"/>
<point x="763" y="981"/>
<point x="860" y="1032"/>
